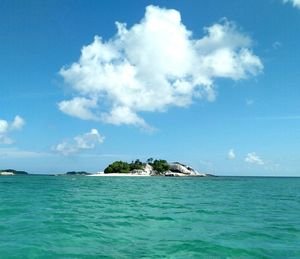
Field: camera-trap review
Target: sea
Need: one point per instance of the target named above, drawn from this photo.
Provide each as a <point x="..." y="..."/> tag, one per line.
<point x="149" y="217"/>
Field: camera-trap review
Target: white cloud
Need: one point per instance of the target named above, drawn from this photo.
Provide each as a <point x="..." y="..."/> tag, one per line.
<point x="6" y="127"/>
<point x="3" y="126"/>
<point x="86" y="141"/>
<point x="154" y="65"/>
<point x="79" y="107"/>
<point x="249" y="102"/>
<point x="231" y="154"/>
<point x="253" y="158"/>
<point x="18" y="123"/>
<point x="296" y="3"/>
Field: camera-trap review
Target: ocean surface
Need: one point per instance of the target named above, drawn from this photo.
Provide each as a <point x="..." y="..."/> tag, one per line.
<point x="154" y="217"/>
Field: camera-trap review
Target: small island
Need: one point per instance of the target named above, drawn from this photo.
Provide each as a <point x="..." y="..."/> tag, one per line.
<point x="12" y="172"/>
<point x="151" y="167"/>
<point x="72" y="173"/>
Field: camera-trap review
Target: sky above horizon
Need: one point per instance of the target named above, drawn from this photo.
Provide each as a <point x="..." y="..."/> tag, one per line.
<point x="213" y="84"/>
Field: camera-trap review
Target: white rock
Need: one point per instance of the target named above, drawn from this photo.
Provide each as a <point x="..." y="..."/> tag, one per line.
<point x="6" y="173"/>
<point x="178" y="169"/>
<point x="148" y="170"/>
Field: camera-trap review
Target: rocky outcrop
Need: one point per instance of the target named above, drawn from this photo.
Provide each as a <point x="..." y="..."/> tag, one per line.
<point x="175" y="169"/>
<point x="12" y="172"/>
<point x="178" y="169"/>
<point x="147" y="171"/>
<point x="6" y="173"/>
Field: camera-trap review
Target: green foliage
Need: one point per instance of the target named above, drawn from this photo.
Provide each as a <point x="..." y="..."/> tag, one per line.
<point x="117" y="167"/>
<point x="77" y="173"/>
<point x="150" y="160"/>
<point x="160" y="166"/>
<point x="137" y="165"/>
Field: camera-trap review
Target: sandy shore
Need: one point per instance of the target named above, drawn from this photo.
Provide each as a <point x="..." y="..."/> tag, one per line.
<point x="130" y="175"/>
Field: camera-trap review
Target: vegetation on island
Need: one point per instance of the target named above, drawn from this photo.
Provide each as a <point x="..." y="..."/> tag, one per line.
<point x="118" y="167"/>
<point x="77" y="173"/>
<point x="160" y="166"/>
<point x="137" y="165"/>
<point x="122" y="167"/>
<point x="151" y="167"/>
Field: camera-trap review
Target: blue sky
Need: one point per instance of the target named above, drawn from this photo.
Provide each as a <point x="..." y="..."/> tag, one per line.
<point x="214" y="84"/>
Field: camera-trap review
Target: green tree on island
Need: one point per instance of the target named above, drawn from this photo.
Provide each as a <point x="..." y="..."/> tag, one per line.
<point x="150" y="160"/>
<point x="118" y="167"/>
<point x="137" y="165"/>
<point x="160" y="166"/>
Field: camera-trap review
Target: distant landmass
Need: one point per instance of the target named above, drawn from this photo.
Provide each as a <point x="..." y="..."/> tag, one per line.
<point x="77" y="173"/>
<point x="12" y="172"/>
<point x="151" y="167"/>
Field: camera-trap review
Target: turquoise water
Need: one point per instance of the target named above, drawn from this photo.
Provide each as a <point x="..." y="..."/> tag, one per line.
<point x="112" y="217"/>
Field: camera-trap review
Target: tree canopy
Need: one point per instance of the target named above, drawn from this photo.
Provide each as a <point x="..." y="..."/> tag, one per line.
<point x="137" y="165"/>
<point x="118" y="167"/>
<point x="160" y="166"/>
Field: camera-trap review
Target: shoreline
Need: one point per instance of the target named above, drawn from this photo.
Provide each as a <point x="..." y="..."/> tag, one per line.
<point x="142" y="175"/>
<point x="118" y="174"/>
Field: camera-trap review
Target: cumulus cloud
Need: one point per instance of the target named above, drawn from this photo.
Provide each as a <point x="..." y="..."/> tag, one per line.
<point x="154" y="65"/>
<point x="82" y="142"/>
<point x="79" y="107"/>
<point x="231" y="154"/>
<point x="17" y="123"/>
<point x="253" y="158"/>
<point x="295" y="3"/>
<point x="6" y="127"/>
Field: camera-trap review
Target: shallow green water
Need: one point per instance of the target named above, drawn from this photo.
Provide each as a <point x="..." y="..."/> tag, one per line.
<point x="92" y="217"/>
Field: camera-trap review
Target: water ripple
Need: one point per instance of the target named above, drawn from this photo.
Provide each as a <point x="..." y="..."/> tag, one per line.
<point x="86" y="217"/>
